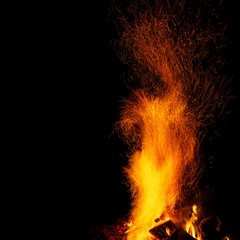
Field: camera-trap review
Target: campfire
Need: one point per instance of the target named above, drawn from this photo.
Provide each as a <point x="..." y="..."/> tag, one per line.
<point x="175" y="89"/>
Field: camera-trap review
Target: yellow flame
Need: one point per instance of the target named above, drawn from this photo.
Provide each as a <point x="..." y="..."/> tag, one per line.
<point x="156" y="171"/>
<point x="191" y="226"/>
<point x="168" y="231"/>
<point x="226" y="238"/>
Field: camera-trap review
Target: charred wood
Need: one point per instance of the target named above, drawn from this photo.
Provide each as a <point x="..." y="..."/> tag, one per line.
<point x="169" y="231"/>
<point x="180" y="234"/>
<point x="163" y="231"/>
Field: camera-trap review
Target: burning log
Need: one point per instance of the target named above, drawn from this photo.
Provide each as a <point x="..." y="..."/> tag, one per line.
<point x="210" y="227"/>
<point x="169" y="231"/>
<point x="163" y="231"/>
<point x="180" y="234"/>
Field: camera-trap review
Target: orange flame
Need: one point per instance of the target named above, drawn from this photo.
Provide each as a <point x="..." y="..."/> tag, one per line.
<point x="157" y="170"/>
<point x="161" y="120"/>
<point x="191" y="226"/>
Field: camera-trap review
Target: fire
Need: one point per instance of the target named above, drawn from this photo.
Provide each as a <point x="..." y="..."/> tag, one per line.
<point x="157" y="170"/>
<point x="191" y="226"/>
<point x="162" y="118"/>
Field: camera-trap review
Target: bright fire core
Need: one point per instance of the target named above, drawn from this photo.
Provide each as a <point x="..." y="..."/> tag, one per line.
<point x="158" y="169"/>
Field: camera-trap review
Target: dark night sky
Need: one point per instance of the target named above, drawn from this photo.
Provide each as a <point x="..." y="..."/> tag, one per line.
<point x="108" y="198"/>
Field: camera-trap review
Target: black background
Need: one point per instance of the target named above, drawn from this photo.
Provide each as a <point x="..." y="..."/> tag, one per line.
<point x="107" y="196"/>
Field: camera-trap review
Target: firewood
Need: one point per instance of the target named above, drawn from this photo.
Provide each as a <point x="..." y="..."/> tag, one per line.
<point x="180" y="234"/>
<point x="163" y="231"/>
